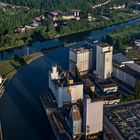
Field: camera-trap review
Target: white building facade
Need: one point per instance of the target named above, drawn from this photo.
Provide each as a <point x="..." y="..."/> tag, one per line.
<point x="92" y="116"/>
<point x="104" y="61"/>
<point x="80" y="59"/>
<point x="64" y="93"/>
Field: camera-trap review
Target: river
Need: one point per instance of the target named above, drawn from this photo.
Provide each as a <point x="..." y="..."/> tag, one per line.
<point x="96" y="34"/>
<point x="21" y="113"/>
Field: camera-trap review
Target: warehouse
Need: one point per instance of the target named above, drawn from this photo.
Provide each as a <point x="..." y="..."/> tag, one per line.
<point x="126" y="70"/>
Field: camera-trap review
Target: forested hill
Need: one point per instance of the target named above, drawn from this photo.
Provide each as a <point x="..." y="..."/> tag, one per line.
<point x="55" y="4"/>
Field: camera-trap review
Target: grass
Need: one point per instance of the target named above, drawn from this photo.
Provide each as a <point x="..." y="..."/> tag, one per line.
<point x="9" y="67"/>
<point x="133" y="54"/>
<point x="128" y="32"/>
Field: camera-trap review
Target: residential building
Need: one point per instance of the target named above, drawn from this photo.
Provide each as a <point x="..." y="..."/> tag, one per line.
<point x="136" y="44"/>
<point x="80" y="60"/>
<point x="104" y="61"/>
<point x="20" y="30"/>
<point x="53" y="15"/>
<point x="92" y="116"/>
<point x="68" y="16"/>
<point x="89" y="17"/>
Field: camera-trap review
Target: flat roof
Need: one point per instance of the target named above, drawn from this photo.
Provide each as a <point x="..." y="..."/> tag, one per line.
<point x="80" y="49"/>
<point x="88" y="82"/>
<point x="121" y="58"/>
<point x="134" y="67"/>
<point x="131" y="69"/>
<point x="109" y="85"/>
<point x="103" y="45"/>
<point x="110" y="97"/>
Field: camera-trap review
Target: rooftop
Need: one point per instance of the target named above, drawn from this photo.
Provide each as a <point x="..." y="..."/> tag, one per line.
<point x="88" y="82"/>
<point x="134" y="67"/>
<point x="56" y="12"/>
<point x="109" y="85"/>
<point x="103" y="45"/>
<point x="120" y="58"/>
<point x="137" y="41"/>
<point x="80" y="49"/>
<point x="131" y="69"/>
<point x="65" y="80"/>
<point x="110" y="97"/>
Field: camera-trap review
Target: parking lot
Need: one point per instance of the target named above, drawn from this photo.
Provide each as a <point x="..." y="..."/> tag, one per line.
<point x="126" y="119"/>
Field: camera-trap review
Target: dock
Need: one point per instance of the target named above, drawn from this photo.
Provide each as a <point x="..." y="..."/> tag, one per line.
<point x="55" y="117"/>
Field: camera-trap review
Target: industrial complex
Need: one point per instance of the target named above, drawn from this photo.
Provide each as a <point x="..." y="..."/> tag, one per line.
<point x="78" y="100"/>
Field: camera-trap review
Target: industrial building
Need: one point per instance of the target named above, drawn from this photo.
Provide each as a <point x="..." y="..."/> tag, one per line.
<point x="75" y="121"/>
<point x="125" y="70"/>
<point x="92" y="116"/>
<point x="89" y="85"/>
<point x="104" y="61"/>
<point x="108" y="87"/>
<point x="110" y="100"/>
<point x="64" y="88"/>
<point x="80" y="60"/>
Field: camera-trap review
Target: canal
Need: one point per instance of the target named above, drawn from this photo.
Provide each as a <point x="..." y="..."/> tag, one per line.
<point x="96" y="34"/>
<point x="21" y="113"/>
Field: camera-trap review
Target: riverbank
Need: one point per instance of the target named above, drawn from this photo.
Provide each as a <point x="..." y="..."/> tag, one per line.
<point x="9" y="67"/>
<point x="93" y="29"/>
<point x="74" y="32"/>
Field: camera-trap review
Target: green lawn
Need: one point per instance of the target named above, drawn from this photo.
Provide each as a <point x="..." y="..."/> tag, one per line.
<point x="7" y="66"/>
